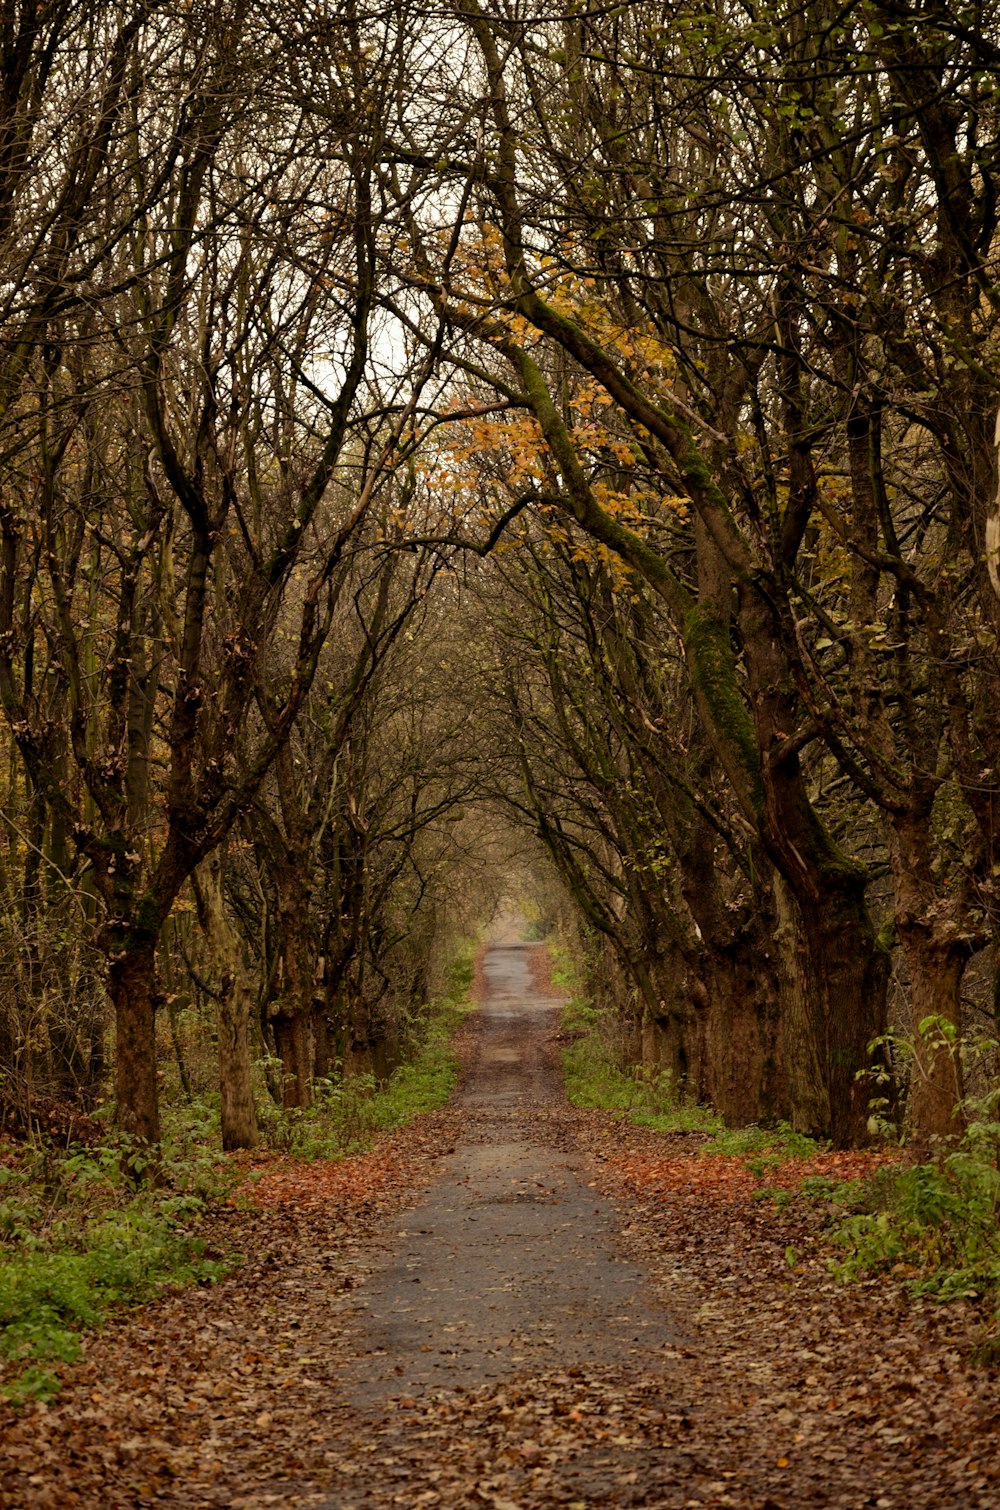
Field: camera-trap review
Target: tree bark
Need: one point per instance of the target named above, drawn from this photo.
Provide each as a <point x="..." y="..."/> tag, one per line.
<point x="846" y="967"/>
<point x="293" y="1017"/>
<point x="293" y="1041"/>
<point x="850" y="969"/>
<point x="936" y="954"/>
<point x="936" y="1089"/>
<point x="803" y="1031"/>
<point x="131" y="985"/>
<point x="239" y="1114"/>
<point x="322" y="1051"/>
<point x="736" y="1023"/>
<point x="233" y="1009"/>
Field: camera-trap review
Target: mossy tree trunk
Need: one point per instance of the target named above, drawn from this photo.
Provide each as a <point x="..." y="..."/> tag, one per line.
<point x="834" y="967"/>
<point x="802" y="1029"/>
<point x="846" y="966"/>
<point x="284" y="840"/>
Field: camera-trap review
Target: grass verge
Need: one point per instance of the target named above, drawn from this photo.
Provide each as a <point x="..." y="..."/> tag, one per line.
<point x="651" y="1098"/>
<point x="349" y="1112"/>
<point x="77" y="1238"/>
<point x="933" y="1227"/>
<point x="594" y="1079"/>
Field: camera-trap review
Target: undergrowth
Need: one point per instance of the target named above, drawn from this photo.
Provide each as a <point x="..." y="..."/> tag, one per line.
<point x="651" y="1097"/>
<point x="77" y="1237"/>
<point x="594" y="1079"/>
<point x="932" y="1225"/>
<point x="348" y="1112"/>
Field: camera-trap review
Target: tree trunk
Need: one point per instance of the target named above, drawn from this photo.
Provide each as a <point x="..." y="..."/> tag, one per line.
<point x="175" y="1038"/>
<point x="131" y="985"/>
<point x="292" y="1039"/>
<point x="803" y="1028"/>
<point x="322" y="1052"/>
<point x="239" y="1115"/>
<point x="742" y="1073"/>
<point x="292" y="1013"/>
<point x="844" y="970"/>
<point x="838" y="985"/>
<point x="936" y="954"/>
<point x="233" y="1009"/>
<point x="936" y="1090"/>
<point x="737" y="1010"/>
<point x="850" y="973"/>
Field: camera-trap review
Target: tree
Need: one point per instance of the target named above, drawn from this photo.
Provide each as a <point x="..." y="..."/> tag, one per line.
<point x="183" y="442"/>
<point x="694" y="218"/>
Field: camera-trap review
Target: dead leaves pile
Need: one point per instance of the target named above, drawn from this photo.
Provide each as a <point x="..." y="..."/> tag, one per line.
<point x="205" y="1395"/>
<point x="807" y="1391"/>
<point x="578" y="1438"/>
<point x="354" y="1183"/>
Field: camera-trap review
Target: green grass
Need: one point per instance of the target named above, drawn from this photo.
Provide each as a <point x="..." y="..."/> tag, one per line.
<point x="565" y="974"/>
<point x="933" y="1225"/>
<point x="348" y="1112"/>
<point x="593" y="1079"/>
<point x="77" y="1238"/>
<point x="763" y="1148"/>
<point x="651" y="1098"/>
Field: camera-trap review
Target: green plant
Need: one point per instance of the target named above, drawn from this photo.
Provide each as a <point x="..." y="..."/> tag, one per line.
<point x="763" y="1148"/>
<point x="650" y="1098"/>
<point x="348" y="1111"/>
<point x="566" y="974"/>
<point x="934" y="1224"/>
<point x="33" y="1384"/>
<point x="778" y="1197"/>
<point x="76" y="1238"/>
<point x="896" y="1061"/>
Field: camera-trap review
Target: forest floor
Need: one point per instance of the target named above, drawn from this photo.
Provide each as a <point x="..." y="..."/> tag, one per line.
<point x="516" y="1304"/>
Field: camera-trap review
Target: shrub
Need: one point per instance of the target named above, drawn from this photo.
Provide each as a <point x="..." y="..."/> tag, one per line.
<point x="76" y="1238"/>
<point x="593" y="1079"/>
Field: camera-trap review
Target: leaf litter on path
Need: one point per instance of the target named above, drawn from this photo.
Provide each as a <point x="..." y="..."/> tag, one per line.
<point x="785" y="1390"/>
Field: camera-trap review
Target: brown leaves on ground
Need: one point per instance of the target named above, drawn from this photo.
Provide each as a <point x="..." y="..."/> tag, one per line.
<point x="354" y="1183"/>
<point x="728" y="1179"/>
<point x="46" y="1117"/>
<point x="788" y="1390"/>
<point x="540" y="963"/>
<point x="805" y="1390"/>
<point x="578" y="1436"/>
<point x="206" y="1394"/>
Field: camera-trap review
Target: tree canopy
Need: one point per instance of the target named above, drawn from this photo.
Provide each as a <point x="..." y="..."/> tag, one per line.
<point x="501" y="440"/>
